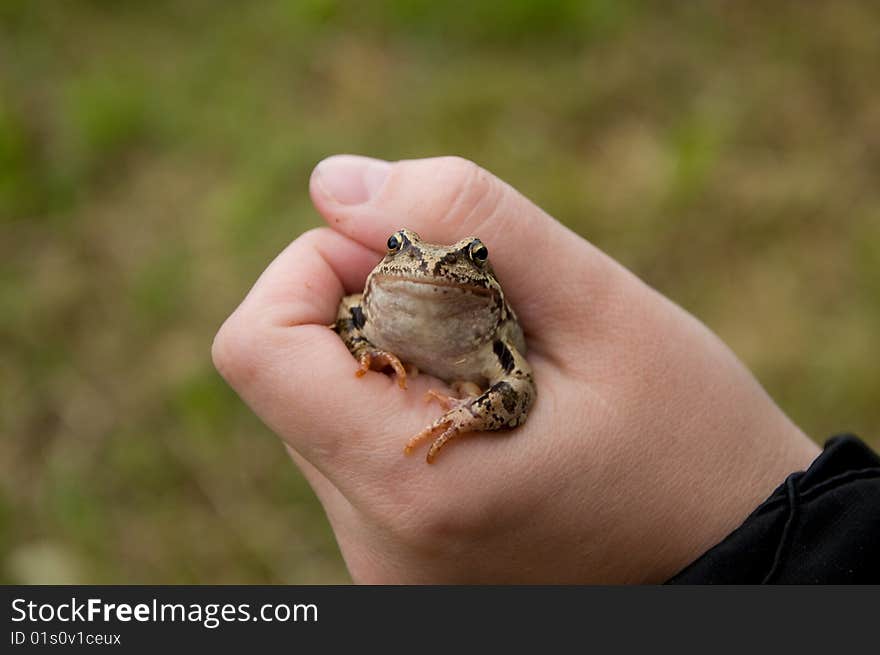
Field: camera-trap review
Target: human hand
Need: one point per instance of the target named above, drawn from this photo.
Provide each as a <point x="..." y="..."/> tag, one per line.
<point x="647" y="444"/>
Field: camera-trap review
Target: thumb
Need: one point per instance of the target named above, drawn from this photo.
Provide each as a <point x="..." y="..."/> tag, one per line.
<point x="444" y="199"/>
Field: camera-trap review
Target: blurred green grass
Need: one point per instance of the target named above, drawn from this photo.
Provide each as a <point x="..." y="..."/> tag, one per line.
<point x="154" y="157"/>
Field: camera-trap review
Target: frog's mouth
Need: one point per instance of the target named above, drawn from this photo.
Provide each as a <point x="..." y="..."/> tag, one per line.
<point x="428" y="287"/>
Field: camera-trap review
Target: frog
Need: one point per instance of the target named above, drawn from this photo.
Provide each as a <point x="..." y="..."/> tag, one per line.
<point x="440" y="310"/>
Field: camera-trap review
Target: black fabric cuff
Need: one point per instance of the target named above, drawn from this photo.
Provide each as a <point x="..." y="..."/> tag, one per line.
<point x="820" y="526"/>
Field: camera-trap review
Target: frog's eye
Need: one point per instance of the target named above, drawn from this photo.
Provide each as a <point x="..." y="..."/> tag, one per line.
<point x="395" y="241"/>
<point x="478" y="252"/>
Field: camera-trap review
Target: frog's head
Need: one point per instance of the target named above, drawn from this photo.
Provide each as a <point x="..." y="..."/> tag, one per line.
<point x="440" y="299"/>
<point x="464" y="264"/>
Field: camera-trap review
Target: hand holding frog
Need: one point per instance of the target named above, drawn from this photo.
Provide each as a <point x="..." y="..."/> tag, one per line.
<point x="648" y="441"/>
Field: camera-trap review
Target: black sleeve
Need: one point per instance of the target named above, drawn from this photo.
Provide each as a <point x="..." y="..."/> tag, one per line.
<point x="821" y="526"/>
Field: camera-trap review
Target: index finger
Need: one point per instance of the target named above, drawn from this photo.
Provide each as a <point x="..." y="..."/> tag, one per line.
<point x="296" y="374"/>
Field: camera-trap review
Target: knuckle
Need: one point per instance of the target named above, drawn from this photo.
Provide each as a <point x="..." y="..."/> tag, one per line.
<point x="246" y="339"/>
<point x="232" y="352"/>
<point x="460" y="167"/>
<point x="473" y="190"/>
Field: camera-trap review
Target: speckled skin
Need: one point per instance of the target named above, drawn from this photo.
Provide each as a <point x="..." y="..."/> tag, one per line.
<point x="441" y="309"/>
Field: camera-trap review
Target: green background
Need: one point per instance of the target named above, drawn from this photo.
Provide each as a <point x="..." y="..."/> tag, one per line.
<point x="154" y="156"/>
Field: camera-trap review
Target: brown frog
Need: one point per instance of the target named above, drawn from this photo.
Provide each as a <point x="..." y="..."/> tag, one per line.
<point x="441" y="310"/>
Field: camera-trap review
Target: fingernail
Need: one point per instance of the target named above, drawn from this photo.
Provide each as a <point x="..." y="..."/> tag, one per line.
<point x="351" y="179"/>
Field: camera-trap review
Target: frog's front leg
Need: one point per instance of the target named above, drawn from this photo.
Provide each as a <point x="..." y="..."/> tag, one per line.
<point x="505" y="404"/>
<point x="349" y="326"/>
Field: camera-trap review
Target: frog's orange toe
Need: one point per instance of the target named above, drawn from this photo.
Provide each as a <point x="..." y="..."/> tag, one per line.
<point x="462" y="391"/>
<point x="439" y="442"/>
<point x="379" y="359"/>
<point x="447" y="429"/>
<point x="446" y="401"/>
<point x="387" y="359"/>
<point x="427" y="433"/>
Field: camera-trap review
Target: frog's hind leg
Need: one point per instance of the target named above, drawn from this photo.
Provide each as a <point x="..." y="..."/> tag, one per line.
<point x="461" y="416"/>
<point x="462" y="393"/>
<point x="503" y="405"/>
<point x="454" y="422"/>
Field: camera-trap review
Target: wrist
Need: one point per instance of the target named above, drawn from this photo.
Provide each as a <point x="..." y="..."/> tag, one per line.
<point x="726" y="498"/>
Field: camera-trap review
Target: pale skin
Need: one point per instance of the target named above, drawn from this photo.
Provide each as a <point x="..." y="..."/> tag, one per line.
<point x="649" y="441"/>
